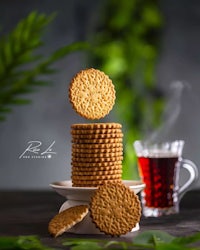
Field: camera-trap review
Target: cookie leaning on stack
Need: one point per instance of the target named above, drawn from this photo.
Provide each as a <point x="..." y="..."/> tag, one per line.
<point x="115" y="209"/>
<point x="66" y="219"/>
<point x="97" y="153"/>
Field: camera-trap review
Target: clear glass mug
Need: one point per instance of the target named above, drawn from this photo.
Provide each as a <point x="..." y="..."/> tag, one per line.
<point x="159" y="166"/>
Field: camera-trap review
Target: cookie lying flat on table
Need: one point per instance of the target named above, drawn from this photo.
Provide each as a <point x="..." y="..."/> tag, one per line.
<point x="67" y="219"/>
<point x="115" y="209"/>
<point x="92" y="94"/>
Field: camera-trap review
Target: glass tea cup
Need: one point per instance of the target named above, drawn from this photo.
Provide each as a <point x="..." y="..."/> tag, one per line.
<point x="159" y="166"/>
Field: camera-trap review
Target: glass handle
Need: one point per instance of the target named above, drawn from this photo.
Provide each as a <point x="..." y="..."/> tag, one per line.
<point x="193" y="171"/>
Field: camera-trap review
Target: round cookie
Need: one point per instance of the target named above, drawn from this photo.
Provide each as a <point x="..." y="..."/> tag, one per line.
<point x="95" y="131"/>
<point x="93" y="183"/>
<point x="96" y="159"/>
<point x="96" y="168"/>
<point x="96" y="164"/>
<point x="66" y="219"/>
<point x="93" y="150"/>
<point x="77" y="172"/>
<point x="81" y="178"/>
<point x="96" y="155"/>
<point x="97" y="145"/>
<point x="97" y="141"/>
<point x="115" y="209"/>
<point x="92" y="94"/>
<point x="95" y="126"/>
<point x="97" y="136"/>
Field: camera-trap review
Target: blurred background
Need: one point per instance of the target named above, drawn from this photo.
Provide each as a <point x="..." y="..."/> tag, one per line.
<point x="150" y="49"/>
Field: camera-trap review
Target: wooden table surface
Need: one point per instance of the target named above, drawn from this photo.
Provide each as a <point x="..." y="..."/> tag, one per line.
<point x="28" y="213"/>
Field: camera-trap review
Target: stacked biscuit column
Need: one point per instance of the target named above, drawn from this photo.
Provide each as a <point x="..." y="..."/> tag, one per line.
<point x="97" y="154"/>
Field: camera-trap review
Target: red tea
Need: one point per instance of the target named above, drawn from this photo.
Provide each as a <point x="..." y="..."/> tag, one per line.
<point x="158" y="174"/>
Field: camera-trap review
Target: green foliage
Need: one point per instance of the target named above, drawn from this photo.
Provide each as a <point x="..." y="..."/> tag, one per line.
<point x="153" y="239"/>
<point x="160" y="240"/>
<point x="126" y="48"/>
<point x="30" y="242"/>
<point x="22" y="67"/>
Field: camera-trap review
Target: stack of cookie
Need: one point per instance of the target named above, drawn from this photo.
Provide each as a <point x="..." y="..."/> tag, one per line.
<point x="97" y="153"/>
<point x="96" y="147"/>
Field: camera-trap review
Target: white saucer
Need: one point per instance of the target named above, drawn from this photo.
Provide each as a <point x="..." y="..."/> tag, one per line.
<point x="82" y="195"/>
<point x="64" y="188"/>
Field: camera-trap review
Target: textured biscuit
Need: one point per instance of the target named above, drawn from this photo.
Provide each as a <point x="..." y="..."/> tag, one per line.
<point x="66" y="219"/>
<point x="97" y="136"/>
<point x="97" y="159"/>
<point x="92" y="94"/>
<point x="93" y="183"/>
<point x="96" y="155"/>
<point x="95" y="150"/>
<point x="97" y="141"/>
<point x="94" y="126"/>
<point x="96" y="131"/>
<point x="96" y="177"/>
<point x="115" y="209"/>
<point x="96" y="164"/>
<point x="97" y="145"/>
<point x="97" y="169"/>
<point x="76" y="172"/>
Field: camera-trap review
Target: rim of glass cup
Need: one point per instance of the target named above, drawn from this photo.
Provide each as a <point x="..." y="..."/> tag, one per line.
<point x="164" y="148"/>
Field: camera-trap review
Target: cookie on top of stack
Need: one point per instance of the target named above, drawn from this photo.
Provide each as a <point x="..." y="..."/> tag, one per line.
<point x="97" y="153"/>
<point x="97" y="150"/>
<point x="92" y="94"/>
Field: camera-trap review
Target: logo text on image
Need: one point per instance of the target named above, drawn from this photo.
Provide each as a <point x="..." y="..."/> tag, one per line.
<point x="34" y="151"/>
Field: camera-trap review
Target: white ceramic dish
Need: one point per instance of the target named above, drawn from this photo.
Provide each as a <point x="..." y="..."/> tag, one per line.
<point x="81" y="195"/>
<point x="64" y="188"/>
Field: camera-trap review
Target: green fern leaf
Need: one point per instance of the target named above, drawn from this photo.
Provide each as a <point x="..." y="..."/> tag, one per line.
<point x="20" y="63"/>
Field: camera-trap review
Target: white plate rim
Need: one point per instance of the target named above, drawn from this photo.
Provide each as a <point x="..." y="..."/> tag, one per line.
<point x="67" y="185"/>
